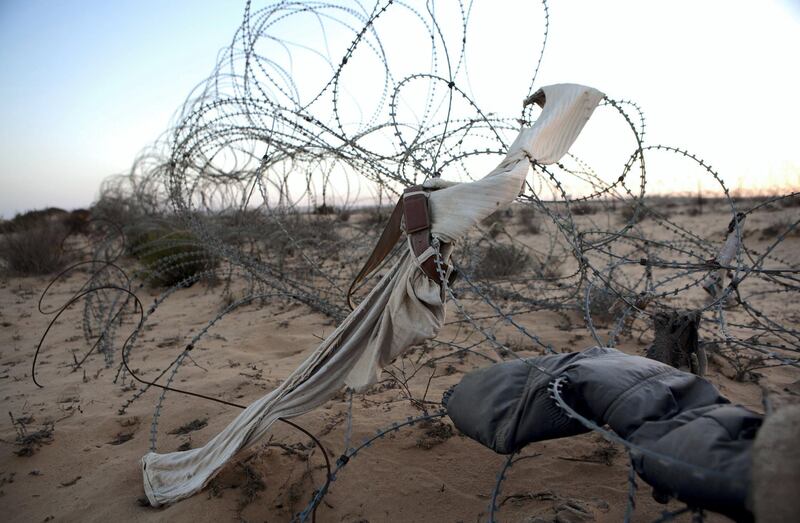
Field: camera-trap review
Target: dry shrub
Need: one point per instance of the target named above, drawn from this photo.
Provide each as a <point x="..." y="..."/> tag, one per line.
<point x="790" y="201"/>
<point x="435" y="433"/>
<point x="549" y="268"/>
<point x="31" y="219"/>
<point x="317" y="236"/>
<point x="497" y="217"/>
<point x="253" y="484"/>
<point x="529" y="220"/>
<point x="602" y="305"/>
<point x="118" y="210"/>
<point x="29" y="442"/>
<point x="743" y="362"/>
<point x="311" y="230"/>
<point x="325" y="209"/>
<point x="495" y="230"/>
<point x="77" y="221"/>
<point x="496" y="222"/>
<point x="583" y="208"/>
<point x="628" y="213"/>
<point x="500" y="260"/>
<point x="771" y="207"/>
<point x="779" y="227"/>
<point x="532" y="227"/>
<point x="377" y="217"/>
<point x="241" y="218"/>
<point x="35" y="248"/>
<point x="517" y="344"/>
<point x="192" y="426"/>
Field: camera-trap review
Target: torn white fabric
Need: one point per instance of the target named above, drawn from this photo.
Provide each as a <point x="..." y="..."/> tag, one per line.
<point x="404" y="309"/>
<point x="713" y="283"/>
<point x="458" y="208"/>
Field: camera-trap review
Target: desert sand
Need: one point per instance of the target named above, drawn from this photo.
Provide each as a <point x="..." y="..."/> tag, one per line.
<point x="85" y="467"/>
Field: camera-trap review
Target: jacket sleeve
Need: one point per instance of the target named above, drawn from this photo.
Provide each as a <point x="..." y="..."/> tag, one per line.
<point x="506" y="406"/>
<point x="689" y="442"/>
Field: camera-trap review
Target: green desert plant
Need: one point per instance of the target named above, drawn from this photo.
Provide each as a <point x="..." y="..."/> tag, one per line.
<point x="170" y="256"/>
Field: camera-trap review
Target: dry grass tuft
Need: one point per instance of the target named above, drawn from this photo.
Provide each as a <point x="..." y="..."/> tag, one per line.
<point x="34" y="248"/>
<point x="253" y="484"/>
<point x="501" y="260"/>
<point x="529" y="220"/>
<point x="633" y="214"/>
<point x="30" y="442"/>
<point x="583" y="208"/>
<point x="190" y="427"/>
<point x="779" y="227"/>
<point x="436" y="433"/>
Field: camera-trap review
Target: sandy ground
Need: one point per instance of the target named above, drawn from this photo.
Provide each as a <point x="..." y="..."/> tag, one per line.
<point x="88" y="470"/>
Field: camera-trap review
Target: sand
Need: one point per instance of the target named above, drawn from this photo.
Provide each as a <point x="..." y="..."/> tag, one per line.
<point x="88" y="468"/>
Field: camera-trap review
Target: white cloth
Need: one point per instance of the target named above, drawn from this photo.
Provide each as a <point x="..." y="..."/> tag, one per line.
<point x="713" y="282"/>
<point x="404" y="309"/>
<point x="458" y="208"/>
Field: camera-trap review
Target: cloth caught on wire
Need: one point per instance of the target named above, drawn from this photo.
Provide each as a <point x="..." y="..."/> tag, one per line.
<point x="404" y="308"/>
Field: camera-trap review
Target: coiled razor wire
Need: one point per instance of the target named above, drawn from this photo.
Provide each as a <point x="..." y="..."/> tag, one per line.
<point x="275" y="180"/>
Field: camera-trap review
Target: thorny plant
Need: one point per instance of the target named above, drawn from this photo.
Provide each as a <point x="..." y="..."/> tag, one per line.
<point x="29" y="442"/>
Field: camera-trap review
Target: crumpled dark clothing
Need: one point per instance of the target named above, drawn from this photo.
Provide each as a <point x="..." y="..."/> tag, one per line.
<point x="703" y="442"/>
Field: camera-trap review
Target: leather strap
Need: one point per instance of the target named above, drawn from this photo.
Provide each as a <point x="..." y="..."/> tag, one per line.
<point x="385" y="244"/>
<point x="413" y="208"/>
<point x="418" y="228"/>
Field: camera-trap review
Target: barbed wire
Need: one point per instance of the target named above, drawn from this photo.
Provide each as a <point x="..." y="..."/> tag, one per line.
<point x="273" y="184"/>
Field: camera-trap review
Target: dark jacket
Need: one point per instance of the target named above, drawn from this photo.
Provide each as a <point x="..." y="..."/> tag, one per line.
<point x="695" y="446"/>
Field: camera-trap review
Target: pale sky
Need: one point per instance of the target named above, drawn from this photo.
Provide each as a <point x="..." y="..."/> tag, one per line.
<point x="86" y="84"/>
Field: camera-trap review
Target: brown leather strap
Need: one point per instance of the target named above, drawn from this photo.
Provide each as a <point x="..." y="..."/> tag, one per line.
<point x="417" y="218"/>
<point x="418" y="228"/>
<point x="413" y="208"/>
<point x="385" y="244"/>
